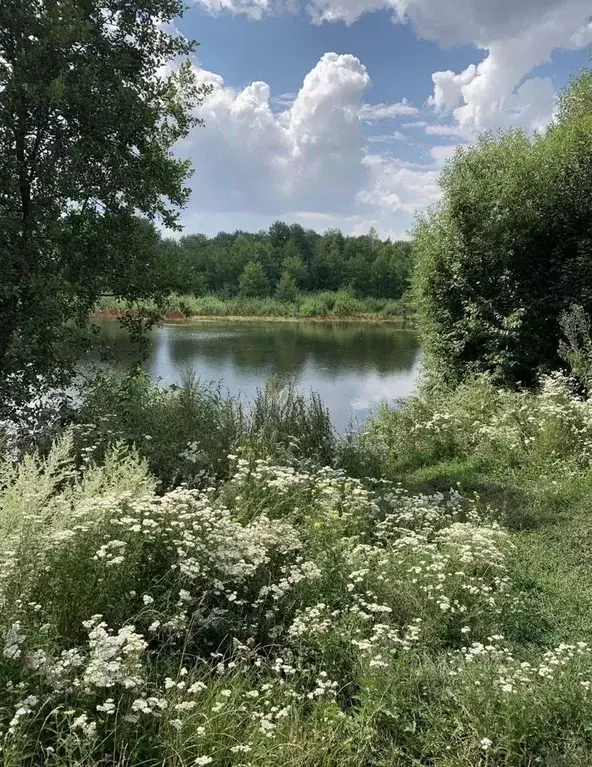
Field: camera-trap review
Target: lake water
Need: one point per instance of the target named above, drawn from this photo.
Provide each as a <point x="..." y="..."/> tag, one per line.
<point x="353" y="367"/>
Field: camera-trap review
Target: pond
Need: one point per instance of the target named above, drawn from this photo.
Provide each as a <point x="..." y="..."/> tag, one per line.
<point x="353" y="366"/>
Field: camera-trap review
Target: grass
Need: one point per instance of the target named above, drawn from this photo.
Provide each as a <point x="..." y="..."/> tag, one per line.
<point x="314" y="306"/>
<point x="525" y="454"/>
<point x="415" y="594"/>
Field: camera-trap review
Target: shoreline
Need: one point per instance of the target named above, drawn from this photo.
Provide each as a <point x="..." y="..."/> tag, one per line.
<point x="177" y="318"/>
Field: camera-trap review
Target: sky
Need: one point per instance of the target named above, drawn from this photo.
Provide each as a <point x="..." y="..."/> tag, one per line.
<point x="341" y="113"/>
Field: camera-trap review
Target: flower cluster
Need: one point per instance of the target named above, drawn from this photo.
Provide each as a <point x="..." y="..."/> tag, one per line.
<point x="214" y="624"/>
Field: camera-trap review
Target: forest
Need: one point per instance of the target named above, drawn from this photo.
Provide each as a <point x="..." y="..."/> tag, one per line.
<point x="285" y="261"/>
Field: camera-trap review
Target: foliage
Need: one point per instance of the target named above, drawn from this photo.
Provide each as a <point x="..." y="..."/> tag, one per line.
<point x="575" y="102"/>
<point x="88" y="114"/>
<point x="575" y="347"/>
<point x="253" y="281"/>
<point x="186" y="432"/>
<point x="365" y="266"/>
<point x="548" y="431"/>
<point x="307" y="305"/>
<point x="287" y="426"/>
<point x="285" y="612"/>
<point x="508" y="250"/>
<point x="287" y="617"/>
<point x="287" y="289"/>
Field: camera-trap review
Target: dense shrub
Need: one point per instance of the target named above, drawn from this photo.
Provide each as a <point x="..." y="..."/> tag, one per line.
<point x="508" y="251"/>
<point x="283" y="304"/>
<point x="187" y="432"/>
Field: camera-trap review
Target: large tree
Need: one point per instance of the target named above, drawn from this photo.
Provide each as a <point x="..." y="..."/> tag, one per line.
<point x="93" y="95"/>
<point x="509" y="249"/>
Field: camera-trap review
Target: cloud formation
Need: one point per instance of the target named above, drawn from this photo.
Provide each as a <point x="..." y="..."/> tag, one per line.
<point x="515" y="35"/>
<point x="305" y="161"/>
<point x="305" y="156"/>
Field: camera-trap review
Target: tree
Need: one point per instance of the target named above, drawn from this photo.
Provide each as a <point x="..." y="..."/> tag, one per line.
<point x="287" y="289"/>
<point x="575" y="101"/>
<point x="296" y="268"/>
<point x="88" y="115"/>
<point x="507" y="251"/>
<point x="327" y="264"/>
<point x="253" y="281"/>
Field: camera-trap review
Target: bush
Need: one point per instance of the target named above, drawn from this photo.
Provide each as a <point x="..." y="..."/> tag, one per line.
<point x="506" y="252"/>
<point x="185" y="432"/>
<point x="316" y="305"/>
<point x="345" y="305"/>
<point x="287" y="426"/>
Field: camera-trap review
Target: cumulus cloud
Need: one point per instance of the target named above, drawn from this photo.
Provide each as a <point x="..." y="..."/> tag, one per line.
<point x="254" y="9"/>
<point x="307" y="157"/>
<point x="307" y="162"/>
<point x="515" y="35"/>
<point x="395" y="186"/>
<point x="516" y="39"/>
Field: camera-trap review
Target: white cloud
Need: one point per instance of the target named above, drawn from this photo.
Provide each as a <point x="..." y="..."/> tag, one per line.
<point x="442" y="153"/>
<point x="494" y="93"/>
<point x="415" y="124"/>
<point x="385" y="138"/>
<point x="307" y="163"/>
<point x="448" y="88"/>
<point x="516" y="35"/>
<point x="395" y="186"/>
<point x="254" y="9"/>
<point x="450" y="130"/>
<point x="307" y="157"/>
<point x="372" y="112"/>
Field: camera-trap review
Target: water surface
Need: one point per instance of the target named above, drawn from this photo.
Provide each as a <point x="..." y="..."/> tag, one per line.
<point x="353" y="366"/>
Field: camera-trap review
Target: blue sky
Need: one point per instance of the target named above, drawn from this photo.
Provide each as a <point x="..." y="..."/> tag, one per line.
<point x="340" y="113"/>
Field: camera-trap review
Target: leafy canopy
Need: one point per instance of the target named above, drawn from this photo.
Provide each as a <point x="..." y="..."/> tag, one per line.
<point x="91" y="102"/>
<point x="509" y="249"/>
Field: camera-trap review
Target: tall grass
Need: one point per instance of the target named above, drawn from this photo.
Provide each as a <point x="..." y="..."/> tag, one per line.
<point x="187" y="432"/>
<point x="324" y="305"/>
<point x="188" y="581"/>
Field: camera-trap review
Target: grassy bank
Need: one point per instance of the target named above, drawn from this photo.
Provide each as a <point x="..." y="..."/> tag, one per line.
<point x="187" y="582"/>
<point x="319" y="306"/>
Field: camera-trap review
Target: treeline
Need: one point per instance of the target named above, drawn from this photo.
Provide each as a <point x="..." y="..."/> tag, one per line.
<point x="285" y="261"/>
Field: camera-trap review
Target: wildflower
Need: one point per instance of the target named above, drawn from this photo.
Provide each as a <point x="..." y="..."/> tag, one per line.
<point x="108" y="707"/>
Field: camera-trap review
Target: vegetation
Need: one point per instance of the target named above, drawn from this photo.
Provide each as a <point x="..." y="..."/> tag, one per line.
<point x="286" y="258"/>
<point x="324" y="305"/>
<point x="508" y="250"/>
<point x="87" y="121"/>
<point x="188" y="581"/>
<point x="277" y="608"/>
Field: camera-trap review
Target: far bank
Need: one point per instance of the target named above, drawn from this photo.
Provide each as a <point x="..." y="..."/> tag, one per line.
<point x="313" y="307"/>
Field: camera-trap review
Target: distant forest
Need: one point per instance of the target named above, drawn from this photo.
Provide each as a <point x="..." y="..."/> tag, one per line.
<point x="285" y="261"/>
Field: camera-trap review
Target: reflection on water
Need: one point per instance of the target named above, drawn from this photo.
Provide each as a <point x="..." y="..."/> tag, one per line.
<point x="353" y="367"/>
